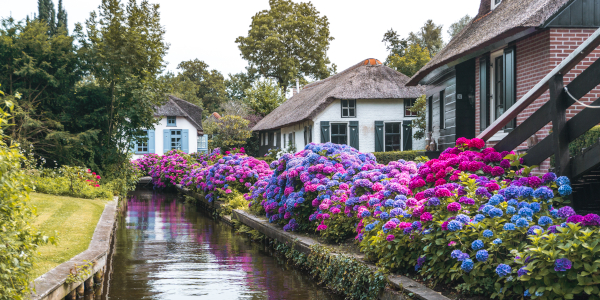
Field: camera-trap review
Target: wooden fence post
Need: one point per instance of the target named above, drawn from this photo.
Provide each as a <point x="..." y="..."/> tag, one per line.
<point x="559" y="128"/>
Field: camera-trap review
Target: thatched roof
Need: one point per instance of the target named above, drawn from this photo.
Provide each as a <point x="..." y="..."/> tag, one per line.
<point x="368" y="79"/>
<point x="488" y="27"/>
<point x="180" y="108"/>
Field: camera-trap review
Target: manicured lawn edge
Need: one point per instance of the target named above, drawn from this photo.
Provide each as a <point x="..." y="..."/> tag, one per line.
<point x="52" y="285"/>
<point x="303" y="244"/>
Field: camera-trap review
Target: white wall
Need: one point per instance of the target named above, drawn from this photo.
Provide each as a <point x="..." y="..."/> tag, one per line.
<point x="299" y="130"/>
<point x="182" y="123"/>
<point x="367" y="112"/>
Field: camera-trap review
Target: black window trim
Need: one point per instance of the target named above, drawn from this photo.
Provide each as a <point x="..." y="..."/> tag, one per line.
<point x="413" y="100"/>
<point x="331" y="134"/>
<point x="385" y="134"/>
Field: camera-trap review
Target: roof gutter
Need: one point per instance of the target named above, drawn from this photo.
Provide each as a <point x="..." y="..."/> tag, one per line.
<point x="499" y="41"/>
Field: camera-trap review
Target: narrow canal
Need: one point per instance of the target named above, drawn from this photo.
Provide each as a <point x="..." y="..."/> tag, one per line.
<point x="166" y="249"/>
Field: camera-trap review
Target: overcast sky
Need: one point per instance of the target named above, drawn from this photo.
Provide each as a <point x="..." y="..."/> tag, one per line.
<point x="207" y="29"/>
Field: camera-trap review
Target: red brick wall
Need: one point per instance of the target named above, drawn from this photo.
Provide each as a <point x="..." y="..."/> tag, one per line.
<point x="536" y="56"/>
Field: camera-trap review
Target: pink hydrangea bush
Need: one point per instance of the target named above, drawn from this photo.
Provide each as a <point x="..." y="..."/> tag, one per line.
<point x="170" y="169"/>
<point x="230" y="173"/>
<point x="146" y="163"/>
<point x="302" y="182"/>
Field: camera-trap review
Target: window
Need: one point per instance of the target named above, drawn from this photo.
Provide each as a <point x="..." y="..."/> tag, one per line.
<point x="495" y="3"/>
<point x="292" y="139"/>
<point x="271" y="138"/>
<point x="202" y="142"/>
<point x="408" y="104"/>
<point x="142" y="144"/>
<point x="266" y="139"/>
<point x="442" y="110"/>
<point x="393" y="136"/>
<point x="307" y="135"/>
<point x="498" y="97"/>
<point x="176" y="139"/>
<point x="171" y="121"/>
<point x="284" y="141"/>
<point x="501" y="82"/>
<point x="339" y="134"/>
<point x="348" y="108"/>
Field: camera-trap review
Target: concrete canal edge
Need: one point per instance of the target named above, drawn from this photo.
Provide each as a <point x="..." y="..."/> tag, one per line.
<point x="53" y="285"/>
<point x="303" y="244"/>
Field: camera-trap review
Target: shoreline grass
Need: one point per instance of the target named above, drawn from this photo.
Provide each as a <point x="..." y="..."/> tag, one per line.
<point x="71" y="220"/>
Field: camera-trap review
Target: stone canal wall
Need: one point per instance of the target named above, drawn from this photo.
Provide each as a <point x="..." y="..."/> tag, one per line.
<point x="54" y="286"/>
<point x="303" y="244"/>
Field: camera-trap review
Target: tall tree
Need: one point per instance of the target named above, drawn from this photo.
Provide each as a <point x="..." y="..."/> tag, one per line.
<point x="413" y="60"/>
<point x="47" y="14"/>
<point x="237" y="84"/>
<point x="429" y="36"/>
<point x="123" y="50"/>
<point x="181" y="87"/>
<point x="210" y="83"/>
<point x="287" y="41"/>
<point x="61" y="17"/>
<point x="264" y="96"/>
<point x="43" y="68"/>
<point x="394" y="44"/>
<point x="457" y="26"/>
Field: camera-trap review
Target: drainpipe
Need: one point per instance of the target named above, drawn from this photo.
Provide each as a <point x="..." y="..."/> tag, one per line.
<point x="297" y="85"/>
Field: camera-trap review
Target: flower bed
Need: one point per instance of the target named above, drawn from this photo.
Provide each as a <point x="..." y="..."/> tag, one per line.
<point x="473" y="218"/>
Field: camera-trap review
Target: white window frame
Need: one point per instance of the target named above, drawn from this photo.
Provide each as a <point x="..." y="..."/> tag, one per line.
<point x="494" y="5"/>
<point x="492" y="83"/>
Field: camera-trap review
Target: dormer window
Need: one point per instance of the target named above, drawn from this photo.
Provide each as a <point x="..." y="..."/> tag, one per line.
<point x="495" y="3"/>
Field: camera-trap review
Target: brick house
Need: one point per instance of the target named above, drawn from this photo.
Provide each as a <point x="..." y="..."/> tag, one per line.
<point x="506" y="49"/>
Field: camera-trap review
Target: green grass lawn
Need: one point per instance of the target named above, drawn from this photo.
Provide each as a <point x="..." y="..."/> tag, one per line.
<point x="73" y="219"/>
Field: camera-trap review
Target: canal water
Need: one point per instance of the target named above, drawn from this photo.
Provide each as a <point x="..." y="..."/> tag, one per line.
<point x="165" y="249"/>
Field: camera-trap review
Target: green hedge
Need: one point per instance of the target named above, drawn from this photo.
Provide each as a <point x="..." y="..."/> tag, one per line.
<point x="586" y="140"/>
<point x="386" y="157"/>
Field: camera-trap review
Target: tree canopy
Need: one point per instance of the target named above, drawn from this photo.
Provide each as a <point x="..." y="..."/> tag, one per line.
<point x="413" y="60"/>
<point x="428" y="37"/>
<point x="264" y="96"/>
<point x="457" y="26"/>
<point x="287" y="41"/>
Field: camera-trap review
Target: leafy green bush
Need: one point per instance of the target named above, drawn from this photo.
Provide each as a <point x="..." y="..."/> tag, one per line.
<point x="71" y="181"/>
<point x="585" y="141"/>
<point x="18" y="240"/>
<point x="386" y="157"/>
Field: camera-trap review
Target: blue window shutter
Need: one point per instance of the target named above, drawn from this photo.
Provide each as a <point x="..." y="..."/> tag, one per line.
<point x="185" y="141"/>
<point x="166" y="140"/>
<point x="151" y="141"/>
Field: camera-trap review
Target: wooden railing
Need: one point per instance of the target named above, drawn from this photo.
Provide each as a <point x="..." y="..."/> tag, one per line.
<point x="563" y="132"/>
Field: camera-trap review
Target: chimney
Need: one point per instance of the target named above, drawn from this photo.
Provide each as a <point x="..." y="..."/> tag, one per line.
<point x="484" y="7"/>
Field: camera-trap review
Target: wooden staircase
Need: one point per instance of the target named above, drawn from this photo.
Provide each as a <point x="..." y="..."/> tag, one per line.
<point x="584" y="168"/>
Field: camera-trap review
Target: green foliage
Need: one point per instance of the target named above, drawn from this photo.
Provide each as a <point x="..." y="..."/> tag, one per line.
<point x="386" y="157"/>
<point x="80" y="273"/>
<point x="339" y="228"/>
<point x="586" y="140"/>
<point x="230" y="132"/>
<point x="339" y="272"/>
<point x="233" y="201"/>
<point x="420" y="123"/>
<point x="287" y="41"/>
<point x="210" y="83"/>
<point x="18" y="240"/>
<point x="264" y="96"/>
<point x="64" y="184"/>
<point x="428" y="37"/>
<point x="394" y="44"/>
<point x="56" y="21"/>
<point x="181" y="87"/>
<point x="414" y="59"/>
<point x="456" y="27"/>
<point x="237" y="84"/>
<point x="122" y="49"/>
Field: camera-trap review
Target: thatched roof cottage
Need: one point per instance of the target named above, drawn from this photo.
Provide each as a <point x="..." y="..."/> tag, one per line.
<point x="364" y="106"/>
<point x="180" y="127"/>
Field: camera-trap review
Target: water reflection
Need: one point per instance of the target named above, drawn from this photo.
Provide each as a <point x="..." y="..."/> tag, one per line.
<point x="167" y="250"/>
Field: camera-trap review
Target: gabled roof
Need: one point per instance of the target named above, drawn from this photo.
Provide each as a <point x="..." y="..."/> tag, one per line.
<point x="368" y="79"/>
<point x="181" y="108"/>
<point x="510" y="18"/>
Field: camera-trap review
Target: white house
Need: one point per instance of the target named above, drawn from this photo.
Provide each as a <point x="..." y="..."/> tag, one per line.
<point x="180" y="127"/>
<point x="364" y="106"/>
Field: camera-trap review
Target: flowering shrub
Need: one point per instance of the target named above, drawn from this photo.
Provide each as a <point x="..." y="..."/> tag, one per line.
<point x="71" y="181"/>
<point x="310" y="187"/>
<point x="477" y="216"/>
<point x="170" y="169"/>
<point x="236" y="172"/>
<point x="146" y="163"/>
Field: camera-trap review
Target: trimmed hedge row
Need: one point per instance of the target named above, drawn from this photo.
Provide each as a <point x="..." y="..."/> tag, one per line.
<point x="386" y="157"/>
<point x="586" y="140"/>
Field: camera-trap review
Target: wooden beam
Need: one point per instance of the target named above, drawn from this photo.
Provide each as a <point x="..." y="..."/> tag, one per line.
<point x="559" y="130"/>
<point x="565" y="66"/>
<point x="585" y="162"/>
<point x="576" y="126"/>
